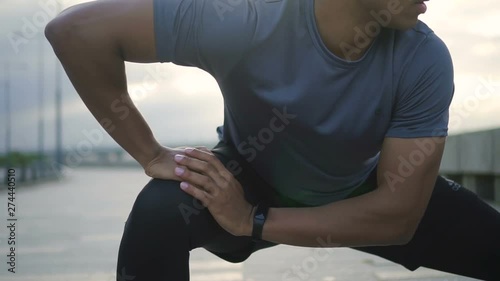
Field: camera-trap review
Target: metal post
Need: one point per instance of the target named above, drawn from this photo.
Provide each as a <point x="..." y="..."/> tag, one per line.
<point x="8" y="119"/>
<point x="59" y="156"/>
<point x="58" y="101"/>
<point x="8" y="125"/>
<point x="41" y="115"/>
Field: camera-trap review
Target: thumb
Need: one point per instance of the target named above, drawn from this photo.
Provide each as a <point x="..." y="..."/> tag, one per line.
<point x="163" y="170"/>
<point x="204" y="148"/>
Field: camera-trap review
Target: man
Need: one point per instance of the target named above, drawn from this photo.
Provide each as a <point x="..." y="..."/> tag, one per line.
<point x="335" y="122"/>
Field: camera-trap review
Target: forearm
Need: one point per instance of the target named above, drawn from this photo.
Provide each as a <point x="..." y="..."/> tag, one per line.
<point x="97" y="71"/>
<point x="389" y="215"/>
<point x="359" y="221"/>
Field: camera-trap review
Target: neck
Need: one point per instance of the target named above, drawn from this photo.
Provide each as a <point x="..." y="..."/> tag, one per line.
<point x="342" y="26"/>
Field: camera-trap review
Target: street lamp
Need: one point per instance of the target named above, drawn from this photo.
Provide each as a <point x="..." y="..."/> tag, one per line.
<point x="58" y="101"/>
<point x="41" y="96"/>
<point x="8" y="67"/>
<point x="8" y="122"/>
<point x="41" y="115"/>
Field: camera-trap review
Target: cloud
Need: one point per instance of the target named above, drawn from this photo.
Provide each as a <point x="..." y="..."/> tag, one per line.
<point x="182" y="103"/>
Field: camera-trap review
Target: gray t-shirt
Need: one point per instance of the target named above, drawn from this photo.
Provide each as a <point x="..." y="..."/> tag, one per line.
<point x="310" y="123"/>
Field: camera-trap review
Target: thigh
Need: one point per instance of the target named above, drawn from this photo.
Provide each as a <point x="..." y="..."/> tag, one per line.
<point x="164" y="219"/>
<point x="459" y="233"/>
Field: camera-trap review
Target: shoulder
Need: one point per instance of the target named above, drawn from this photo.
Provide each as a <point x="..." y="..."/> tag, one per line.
<point x="419" y="57"/>
<point x="225" y="9"/>
<point x="230" y="29"/>
<point x="419" y="48"/>
<point x="214" y="34"/>
<point x="423" y="76"/>
<point x="250" y="19"/>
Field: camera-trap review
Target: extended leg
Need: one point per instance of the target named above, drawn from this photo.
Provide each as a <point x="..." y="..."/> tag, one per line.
<point x="459" y="233"/>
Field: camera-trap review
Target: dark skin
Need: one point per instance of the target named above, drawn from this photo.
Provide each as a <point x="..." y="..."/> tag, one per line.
<point x="337" y="20"/>
<point x="100" y="32"/>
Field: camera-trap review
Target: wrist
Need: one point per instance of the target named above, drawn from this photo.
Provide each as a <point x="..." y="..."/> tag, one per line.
<point x="249" y="228"/>
<point x="259" y="219"/>
<point x="152" y="155"/>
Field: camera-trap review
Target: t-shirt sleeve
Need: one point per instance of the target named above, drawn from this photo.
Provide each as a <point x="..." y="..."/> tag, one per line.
<point x="211" y="35"/>
<point x="424" y="93"/>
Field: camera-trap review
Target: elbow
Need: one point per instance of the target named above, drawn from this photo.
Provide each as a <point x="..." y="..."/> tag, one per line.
<point x="399" y="227"/>
<point x="406" y="230"/>
<point x="58" y="31"/>
<point x="404" y="237"/>
<point x="51" y="30"/>
<point x="394" y="232"/>
<point x="401" y="222"/>
<point x="65" y="30"/>
<point x="55" y="29"/>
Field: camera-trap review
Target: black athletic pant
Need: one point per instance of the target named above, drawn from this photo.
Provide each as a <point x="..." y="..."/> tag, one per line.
<point x="459" y="233"/>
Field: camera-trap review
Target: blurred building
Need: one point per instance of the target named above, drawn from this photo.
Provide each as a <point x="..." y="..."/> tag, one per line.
<point x="473" y="159"/>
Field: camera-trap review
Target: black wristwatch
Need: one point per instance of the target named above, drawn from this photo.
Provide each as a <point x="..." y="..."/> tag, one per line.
<point x="258" y="221"/>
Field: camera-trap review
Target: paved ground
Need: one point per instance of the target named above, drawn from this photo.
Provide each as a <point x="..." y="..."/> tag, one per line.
<point x="70" y="231"/>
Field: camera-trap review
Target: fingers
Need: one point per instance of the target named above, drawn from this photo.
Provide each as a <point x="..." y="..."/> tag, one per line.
<point x="206" y="155"/>
<point x="197" y="165"/>
<point x="197" y="193"/>
<point x="199" y="180"/>
<point x="201" y="169"/>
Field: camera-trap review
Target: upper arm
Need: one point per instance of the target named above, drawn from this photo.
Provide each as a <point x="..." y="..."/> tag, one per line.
<point x="424" y="92"/>
<point x="407" y="172"/>
<point x="211" y="35"/>
<point x="123" y="27"/>
<point x="412" y="150"/>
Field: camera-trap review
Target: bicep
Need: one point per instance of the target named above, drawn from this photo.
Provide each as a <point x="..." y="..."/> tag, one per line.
<point x="124" y="27"/>
<point x="407" y="171"/>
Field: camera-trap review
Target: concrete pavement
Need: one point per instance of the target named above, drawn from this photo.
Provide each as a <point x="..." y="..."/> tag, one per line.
<point x="70" y="231"/>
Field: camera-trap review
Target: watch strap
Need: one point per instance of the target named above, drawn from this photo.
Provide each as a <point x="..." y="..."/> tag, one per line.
<point x="259" y="219"/>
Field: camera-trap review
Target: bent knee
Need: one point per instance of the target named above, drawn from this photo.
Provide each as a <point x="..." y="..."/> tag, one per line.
<point x="163" y="205"/>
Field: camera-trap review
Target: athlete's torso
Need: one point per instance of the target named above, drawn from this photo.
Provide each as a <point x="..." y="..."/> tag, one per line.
<point x="310" y="123"/>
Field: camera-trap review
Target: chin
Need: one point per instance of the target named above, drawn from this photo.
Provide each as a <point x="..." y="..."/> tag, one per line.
<point x="403" y="25"/>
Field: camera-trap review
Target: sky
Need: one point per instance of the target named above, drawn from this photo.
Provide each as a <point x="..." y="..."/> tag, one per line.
<point x="185" y="105"/>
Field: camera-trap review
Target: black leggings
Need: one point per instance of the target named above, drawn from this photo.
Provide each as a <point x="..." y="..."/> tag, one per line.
<point x="459" y="233"/>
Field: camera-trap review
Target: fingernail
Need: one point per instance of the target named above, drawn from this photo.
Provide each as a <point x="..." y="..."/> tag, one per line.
<point x="178" y="157"/>
<point x="179" y="171"/>
<point x="189" y="150"/>
<point x="184" y="185"/>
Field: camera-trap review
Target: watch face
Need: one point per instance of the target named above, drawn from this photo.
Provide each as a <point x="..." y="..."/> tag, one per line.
<point x="260" y="216"/>
<point x="258" y="221"/>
